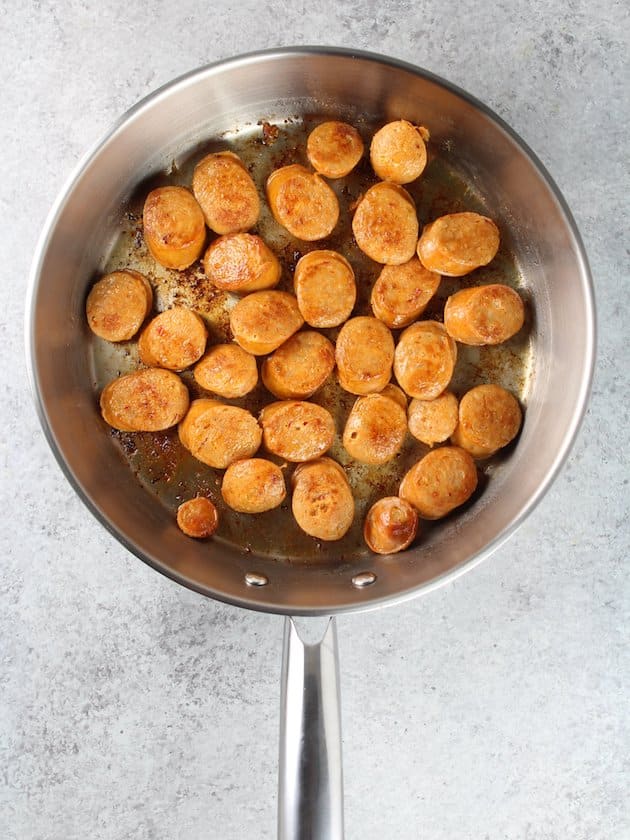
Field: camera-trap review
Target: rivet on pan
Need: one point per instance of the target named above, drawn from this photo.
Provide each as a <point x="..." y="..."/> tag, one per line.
<point x="363" y="579"/>
<point x="256" y="579"/>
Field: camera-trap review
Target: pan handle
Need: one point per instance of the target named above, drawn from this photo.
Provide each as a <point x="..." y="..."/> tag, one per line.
<point x="311" y="779"/>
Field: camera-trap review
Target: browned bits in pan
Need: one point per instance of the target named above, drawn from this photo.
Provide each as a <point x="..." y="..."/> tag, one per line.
<point x="398" y="152"/>
<point x="226" y="193"/>
<point x="299" y="366"/>
<point x="375" y="429"/>
<point x="253" y="485"/>
<point x="297" y="430"/>
<point x="458" y="243"/>
<point x="174" y="339"/>
<point x="385" y="224"/>
<point x="118" y="304"/>
<point x="484" y="314"/>
<point x="144" y="401"/>
<point x="334" y="148"/>
<point x="364" y="354"/>
<point x="198" y="517"/>
<point x="174" y="227"/>
<point x="440" y="482"/>
<point x="325" y="288"/>
<point x="433" y="421"/>
<point x="322" y="501"/>
<point x="390" y="526"/>
<point x="227" y="370"/>
<point x="302" y="202"/>
<point x="262" y="321"/>
<point x="218" y="434"/>
<point x="241" y="262"/>
<point x="424" y="360"/>
<point x="402" y="292"/>
<point x="489" y="418"/>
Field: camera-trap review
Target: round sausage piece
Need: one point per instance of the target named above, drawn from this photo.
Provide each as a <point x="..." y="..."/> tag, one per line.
<point x="226" y="193"/>
<point x="219" y="434"/>
<point x="174" y="339"/>
<point x="227" y="370"/>
<point x="458" y="243"/>
<point x="118" y="304"/>
<point x="302" y="202"/>
<point x="299" y="366"/>
<point x="489" y="418"/>
<point x="174" y="227"/>
<point x="322" y="501"/>
<point x="334" y="148"/>
<point x="433" y="421"/>
<point x="441" y="481"/>
<point x="144" y="401"/>
<point x="296" y="430"/>
<point x="401" y="292"/>
<point x="395" y="393"/>
<point x="484" y="314"/>
<point x="262" y="321"/>
<point x="325" y="288"/>
<point x="424" y="360"/>
<point x="398" y="152"/>
<point x="241" y="262"/>
<point x="385" y="224"/>
<point x="364" y="353"/>
<point x="253" y="485"/>
<point x="390" y="525"/>
<point x="375" y="429"/>
<point x="198" y="517"/>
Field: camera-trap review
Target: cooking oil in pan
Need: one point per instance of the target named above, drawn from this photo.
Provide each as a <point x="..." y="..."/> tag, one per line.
<point x="167" y="470"/>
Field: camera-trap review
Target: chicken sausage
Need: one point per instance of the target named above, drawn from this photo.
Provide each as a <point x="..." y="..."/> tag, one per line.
<point x="219" y="434"/>
<point x="334" y="148"/>
<point x="489" y="418"/>
<point x="375" y="429"/>
<point x="198" y="517"/>
<point x="302" y="202"/>
<point x="144" y="401"/>
<point x="226" y="193"/>
<point x="296" y="430"/>
<point x="118" y="304"/>
<point x="227" y="370"/>
<point x="484" y="314"/>
<point x="433" y="421"/>
<point x="322" y="501"/>
<point x="299" y="366"/>
<point x="262" y="321"/>
<point x="390" y="525"/>
<point x="458" y="243"/>
<point x="325" y="288"/>
<point x="424" y="360"/>
<point x="241" y="262"/>
<point x="441" y="481"/>
<point x="253" y="485"/>
<point x="385" y="224"/>
<point x="364" y="355"/>
<point x="174" y="227"/>
<point x="174" y="339"/>
<point x="402" y="292"/>
<point x="398" y="152"/>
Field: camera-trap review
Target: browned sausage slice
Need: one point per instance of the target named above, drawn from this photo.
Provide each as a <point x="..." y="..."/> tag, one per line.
<point x="375" y="429"/>
<point x="364" y="353"/>
<point x="299" y="366"/>
<point x="297" y="430"/>
<point x="174" y="339"/>
<point x="385" y="224"/>
<point x="325" y="288"/>
<point x="398" y="152"/>
<point x="458" y="243"/>
<point x="424" y="360"/>
<point x="302" y="202"/>
<point x="241" y="262"/>
<point x="322" y="501"/>
<point x="402" y="292"/>
<point x="441" y="481"/>
<point x="484" y="314"/>
<point x="174" y="227"/>
<point x="262" y="321"/>
<point x="433" y="421"/>
<point x="227" y="370"/>
<point x="144" y="401"/>
<point x="390" y="526"/>
<point x="253" y="485"/>
<point x="334" y="148"/>
<point x="218" y="434"/>
<point x="489" y="418"/>
<point x="118" y="304"/>
<point x="198" y="517"/>
<point x="226" y="193"/>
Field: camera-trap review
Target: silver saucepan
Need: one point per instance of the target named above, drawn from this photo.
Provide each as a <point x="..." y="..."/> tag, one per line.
<point x="263" y="566"/>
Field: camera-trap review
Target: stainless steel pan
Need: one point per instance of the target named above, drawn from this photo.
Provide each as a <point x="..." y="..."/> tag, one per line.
<point x="264" y="569"/>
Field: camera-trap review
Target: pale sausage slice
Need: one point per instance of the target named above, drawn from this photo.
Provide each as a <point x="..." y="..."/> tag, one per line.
<point x="253" y="485"/>
<point x="433" y="421"/>
<point x="334" y="148"/>
<point x="296" y="430"/>
<point x="489" y="418"/>
<point x="227" y="370"/>
<point x="118" y="304"/>
<point x="144" y="401"/>
<point x="364" y="353"/>
<point x="424" y="360"/>
<point x="484" y="314"/>
<point x="226" y="193"/>
<point x="402" y="292"/>
<point x="375" y="429"/>
<point x="398" y="152"/>
<point x="385" y="224"/>
<point x="441" y="481"/>
<point x="299" y="366"/>
<point x="174" y="339"/>
<point x="325" y="288"/>
<point x="322" y="501"/>
<point x="302" y="202"/>
<point x="174" y="227"/>
<point x="218" y="434"/>
<point x="241" y="262"/>
<point x="262" y="321"/>
<point x="458" y="243"/>
<point x="198" y="517"/>
<point x="390" y="526"/>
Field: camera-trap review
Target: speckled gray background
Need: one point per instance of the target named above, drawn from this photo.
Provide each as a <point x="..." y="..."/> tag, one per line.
<point x="494" y="709"/>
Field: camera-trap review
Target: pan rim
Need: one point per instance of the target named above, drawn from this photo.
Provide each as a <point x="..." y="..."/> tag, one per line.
<point x="553" y="468"/>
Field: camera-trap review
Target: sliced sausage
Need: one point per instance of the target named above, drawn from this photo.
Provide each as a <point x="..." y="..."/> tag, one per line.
<point x="302" y="202"/>
<point x="118" y="304"/>
<point x="424" y="360"/>
<point x="322" y="501"/>
<point x="390" y="525"/>
<point x="458" y="243"/>
<point x="226" y="193"/>
<point x="219" y="434"/>
<point x="364" y="353"/>
<point x="297" y="430"/>
<point x="402" y="292"/>
<point x="253" y="485"/>
<point x="174" y="227"/>
<point x="441" y="481"/>
<point x="398" y="152"/>
<point x="334" y="148"/>
<point x="484" y="314"/>
<point x="174" y="339"/>
<point x="433" y="421"/>
<point x="325" y="288"/>
<point x="144" y="401"/>
<point x="395" y="393"/>
<point x="299" y="366"/>
<point x="241" y="262"/>
<point x="489" y="418"/>
<point x="227" y="370"/>
<point x="375" y="429"/>
<point x="262" y="321"/>
<point x="385" y="224"/>
<point x="198" y="517"/>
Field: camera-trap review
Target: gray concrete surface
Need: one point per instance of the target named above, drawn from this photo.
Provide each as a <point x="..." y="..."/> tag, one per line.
<point x="494" y="709"/>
